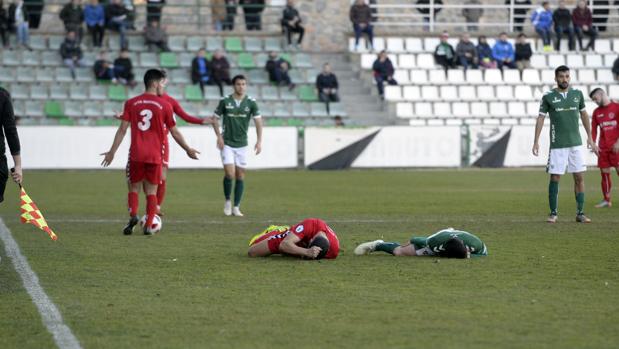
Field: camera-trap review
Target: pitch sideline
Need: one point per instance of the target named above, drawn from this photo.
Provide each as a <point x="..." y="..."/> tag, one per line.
<point x="52" y="319"/>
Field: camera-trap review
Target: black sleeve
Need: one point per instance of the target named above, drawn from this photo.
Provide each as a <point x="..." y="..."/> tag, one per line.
<point x="337" y="86"/>
<point x="8" y="122"/>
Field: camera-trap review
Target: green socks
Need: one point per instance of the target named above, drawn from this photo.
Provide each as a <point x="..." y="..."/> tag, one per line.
<point x="553" y="196"/>
<point x="239" y="186"/>
<point x="580" y="203"/>
<point x="227" y="187"/>
<point x="387" y="247"/>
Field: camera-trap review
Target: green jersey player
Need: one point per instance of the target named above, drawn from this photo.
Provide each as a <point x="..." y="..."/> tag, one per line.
<point x="450" y="243"/>
<point x="235" y="112"/>
<point x="564" y="106"/>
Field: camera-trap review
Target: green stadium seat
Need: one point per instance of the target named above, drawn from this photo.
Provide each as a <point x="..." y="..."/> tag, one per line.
<point x="272" y="44"/>
<point x="274" y="122"/>
<point x="33" y="109"/>
<point x="38" y="91"/>
<point x="168" y="60"/>
<point x="180" y="122"/>
<point x="233" y="45"/>
<point x="286" y="57"/>
<point x="253" y="44"/>
<point x="308" y="93"/>
<point x="193" y="93"/>
<point x="53" y="109"/>
<point x="246" y="61"/>
<point x="107" y="122"/>
<point x="194" y="43"/>
<point x="149" y="60"/>
<point x="66" y="122"/>
<point x="295" y="123"/>
<point x="97" y="92"/>
<point x="117" y="92"/>
<point x="214" y="43"/>
<point x="93" y="109"/>
<point x="30" y="58"/>
<point x="176" y="43"/>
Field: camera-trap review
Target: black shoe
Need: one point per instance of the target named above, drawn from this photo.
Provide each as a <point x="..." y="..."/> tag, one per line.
<point x="129" y="227"/>
<point x="148" y="232"/>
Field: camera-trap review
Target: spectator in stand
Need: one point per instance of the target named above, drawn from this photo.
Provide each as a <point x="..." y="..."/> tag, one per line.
<point x="153" y="10"/>
<point x="291" y="23"/>
<point x="583" y="24"/>
<point x="562" y="19"/>
<point x="116" y="18"/>
<point x="278" y="70"/>
<point x="600" y="14"/>
<point x="503" y="52"/>
<point x="35" y="11"/>
<point x="467" y="52"/>
<point x="339" y="122"/>
<point x="444" y="53"/>
<point x="123" y="69"/>
<point x="4" y="25"/>
<point x="523" y="52"/>
<point x="521" y="7"/>
<point x="220" y="71"/>
<point x="326" y="85"/>
<point x="72" y="15"/>
<point x="425" y="11"/>
<point x="542" y="22"/>
<point x="472" y="14"/>
<point x="18" y="21"/>
<point x="230" y="14"/>
<point x="383" y="72"/>
<point x="218" y="13"/>
<point x="155" y="34"/>
<point x="103" y="68"/>
<point x="94" y="16"/>
<point x="71" y="52"/>
<point x="484" y="51"/>
<point x="616" y="69"/>
<point x="361" y="16"/>
<point x="200" y="70"/>
<point x="252" y="9"/>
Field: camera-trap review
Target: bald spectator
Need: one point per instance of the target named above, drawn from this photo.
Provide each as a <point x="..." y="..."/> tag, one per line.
<point x="327" y="85"/>
<point x="220" y="71"/>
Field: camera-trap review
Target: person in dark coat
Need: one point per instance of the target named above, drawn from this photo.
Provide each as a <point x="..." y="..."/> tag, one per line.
<point x="72" y="15"/>
<point x="291" y="23"/>
<point x="519" y="13"/>
<point x="123" y="69"/>
<point x="583" y="25"/>
<point x="35" y="11"/>
<point x="71" y="52"/>
<point x="383" y="72"/>
<point x="253" y="11"/>
<point x="278" y="68"/>
<point x="220" y="71"/>
<point x="425" y="11"/>
<point x="361" y="17"/>
<point x="153" y="10"/>
<point x="8" y="130"/>
<point x="600" y="15"/>
<point x="4" y="25"/>
<point x="327" y="86"/>
<point x="562" y="19"/>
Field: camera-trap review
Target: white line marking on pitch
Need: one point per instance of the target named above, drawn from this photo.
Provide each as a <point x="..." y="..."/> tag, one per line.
<point x="52" y="319"/>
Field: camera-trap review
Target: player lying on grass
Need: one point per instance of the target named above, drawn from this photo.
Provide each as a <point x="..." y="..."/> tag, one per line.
<point x="605" y="117"/>
<point x="149" y="116"/>
<point x="312" y="239"/>
<point x="448" y="243"/>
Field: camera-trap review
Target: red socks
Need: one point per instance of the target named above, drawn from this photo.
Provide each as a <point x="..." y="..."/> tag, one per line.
<point x="606" y="186"/>
<point x="133" y="203"/>
<point x="151" y="209"/>
<point x="160" y="192"/>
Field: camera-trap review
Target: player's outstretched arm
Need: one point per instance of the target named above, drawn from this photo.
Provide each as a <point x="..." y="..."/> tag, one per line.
<point x="178" y="137"/>
<point x="108" y="156"/>
<point x="584" y="117"/>
<point x="289" y="246"/>
<point x="258" y="123"/>
<point x="539" y="125"/>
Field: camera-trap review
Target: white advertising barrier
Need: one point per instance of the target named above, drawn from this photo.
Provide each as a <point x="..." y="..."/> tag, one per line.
<point x="519" y="149"/>
<point x="393" y="146"/>
<point x="73" y="147"/>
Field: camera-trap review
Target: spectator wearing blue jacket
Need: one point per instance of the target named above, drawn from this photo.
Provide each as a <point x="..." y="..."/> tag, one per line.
<point x="484" y="52"/>
<point x="542" y="21"/>
<point x="503" y="52"/>
<point x="94" y="16"/>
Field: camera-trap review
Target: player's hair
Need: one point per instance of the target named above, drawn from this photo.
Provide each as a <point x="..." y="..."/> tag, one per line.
<point x="238" y="77"/>
<point x="324" y="245"/>
<point x="544" y="3"/>
<point x="522" y="35"/>
<point x="561" y="69"/>
<point x="153" y="75"/>
<point x="595" y="90"/>
<point x="454" y="248"/>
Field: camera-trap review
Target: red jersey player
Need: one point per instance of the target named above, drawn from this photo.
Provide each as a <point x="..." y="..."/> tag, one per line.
<point x="605" y="117"/>
<point x="312" y="238"/>
<point x="149" y="116"/>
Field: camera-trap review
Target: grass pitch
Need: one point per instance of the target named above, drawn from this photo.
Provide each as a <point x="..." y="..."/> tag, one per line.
<point x="192" y="286"/>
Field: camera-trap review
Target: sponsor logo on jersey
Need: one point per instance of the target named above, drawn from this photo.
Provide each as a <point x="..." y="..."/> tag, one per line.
<point x="299" y="229"/>
<point x="611" y="115"/>
<point x="576" y="99"/>
<point x="556" y="100"/>
<point x="247" y="109"/>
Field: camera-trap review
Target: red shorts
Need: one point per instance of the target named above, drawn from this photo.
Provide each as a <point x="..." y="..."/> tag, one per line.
<point x="274" y="239"/>
<point x="607" y="159"/>
<point x="139" y="171"/>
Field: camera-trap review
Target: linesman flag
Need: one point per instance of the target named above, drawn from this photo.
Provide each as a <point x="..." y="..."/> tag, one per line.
<point x="30" y="213"/>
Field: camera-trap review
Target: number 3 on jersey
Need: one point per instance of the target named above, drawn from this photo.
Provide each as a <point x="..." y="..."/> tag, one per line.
<point x="146" y="116"/>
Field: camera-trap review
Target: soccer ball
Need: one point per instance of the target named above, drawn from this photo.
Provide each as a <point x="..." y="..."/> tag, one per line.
<point x="155" y="227"/>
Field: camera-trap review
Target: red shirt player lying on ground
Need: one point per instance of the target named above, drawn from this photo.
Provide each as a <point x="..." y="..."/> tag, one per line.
<point x="312" y="239"/>
<point x="149" y="116"/>
<point x="605" y="117"/>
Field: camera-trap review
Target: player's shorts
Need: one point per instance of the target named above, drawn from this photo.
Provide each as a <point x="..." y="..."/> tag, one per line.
<point x="607" y="159"/>
<point x="140" y="171"/>
<point x="234" y="156"/>
<point x="570" y="159"/>
<point x="274" y="239"/>
<point x="4" y="176"/>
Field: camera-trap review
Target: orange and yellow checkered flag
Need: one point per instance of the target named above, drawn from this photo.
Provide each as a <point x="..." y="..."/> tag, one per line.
<point x="30" y="214"/>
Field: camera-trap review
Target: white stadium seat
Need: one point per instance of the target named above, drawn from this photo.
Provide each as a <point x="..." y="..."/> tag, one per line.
<point x="511" y="76"/>
<point x="556" y="60"/>
<point x="437" y="76"/>
<point x="393" y="93"/>
<point x="461" y="109"/>
<point x="548" y="76"/>
<point x="613" y="91"/>
<point x="530" y="76"/>
<point x="516" y="109"/>
<point x="528" y="121"/>
<point x="498" y="109"/>
<point x="419" y="76"/>
<point x="394" y="59"/>
<point x="404" y="110"/>
<point x="575" y="61"/>
<point x="479" y="109"/>
<point x="504" y="93"/>
<point x="455" y="76"/>
<point x="414" y="45"/>
<point x="395" y="45"/>
<point x="423" y="110"/>
<point x="429" y="44"/>
<point x="539" y="61"/>
<point x="585" y="76"/>
<point x="590" y="106"/>
<point x="603" y="46"/>
<point x="474" y="76"/>
<point x="442" y="109"/>
<point x="429" y="93"/>
<point x="379" y="44"/>
<point x="538" y="92"/>
<point x="367" y="60"/>
<point x="361" y="48"/>
<point x="407" y="61"/>
<point x="616" y="45"/>
<point x="485" y="93"/>
<point x="425" y="60"/>
<point x="509" y="121"/>
<point x="523" y="93"/>
<point x="411" y="93"/>
<point x="609" y="60"/>
<point x="583" y="88"/>
<point x="605" y="76"/>
<point x="594" y="61"/>
<point x="401" y="76"/>
<point x="532" y="109"/>
<point x="493" y="76"/>
<point x="473" y="121"/>
<point x="417" y="122"/>
<point x="436" y="122"/>
<point x="453" y="122"/>
<point x="467" y="93"/>
<point x="449" y="93"/>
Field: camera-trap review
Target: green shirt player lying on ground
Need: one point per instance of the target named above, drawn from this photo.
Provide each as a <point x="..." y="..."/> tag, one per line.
<point x="448" y="243"/>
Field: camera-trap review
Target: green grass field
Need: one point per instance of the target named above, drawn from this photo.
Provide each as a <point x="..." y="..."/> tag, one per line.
<point x="192" y="286"/>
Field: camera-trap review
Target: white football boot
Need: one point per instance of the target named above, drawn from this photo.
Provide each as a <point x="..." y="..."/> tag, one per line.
<point x="228" y="208"/>
<point x="236" y="211"/>
<point x="367" y="247"/>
